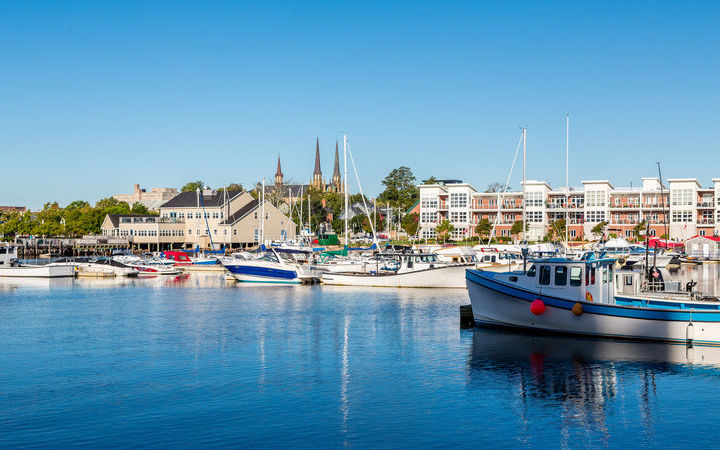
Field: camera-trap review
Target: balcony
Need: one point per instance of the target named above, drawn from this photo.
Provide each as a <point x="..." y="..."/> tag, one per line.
<point x="706" y="221"/>
<point x="624" y="206"/>
<point x="708" y="205"/>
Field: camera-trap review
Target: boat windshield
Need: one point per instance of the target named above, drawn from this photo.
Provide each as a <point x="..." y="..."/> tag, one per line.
<point x="269" y="257"/>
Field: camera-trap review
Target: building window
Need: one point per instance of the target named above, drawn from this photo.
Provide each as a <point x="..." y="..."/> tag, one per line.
<point x="189" y="232"/>
<point x="534" y="216"/>
<point x="533" y="199"/>
<point x="215" y="215"/>
<point x="682" y="216"/>
<point x="458" y="200"/>
<point x="595" y="216"/>
<point x="235" y="232"/>
<point x="458" y="216"/>
<point x="681" y="197"/>
<point x="256" y="237"/>
<point x="428" y="217"/>
<point x="595" y="198"/>
<point x="428" y="202"/>
<point x="573" y="234"/>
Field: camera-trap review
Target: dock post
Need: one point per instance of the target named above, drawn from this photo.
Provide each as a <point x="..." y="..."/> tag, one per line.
<point x="467" y="320"/>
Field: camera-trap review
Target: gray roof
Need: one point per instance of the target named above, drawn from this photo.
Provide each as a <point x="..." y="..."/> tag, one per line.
<point x="189" y="199"/>
<point x="240" y="213"/>
<point x="115" y="218"/>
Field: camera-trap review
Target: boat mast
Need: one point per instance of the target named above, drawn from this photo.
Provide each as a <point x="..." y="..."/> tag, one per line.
<point x="567" y="179"/>
<point x="662" y="194"/>
<point x="524" y="132"/>
<point x="345" y="187"/>
<point x="262" y="215"/>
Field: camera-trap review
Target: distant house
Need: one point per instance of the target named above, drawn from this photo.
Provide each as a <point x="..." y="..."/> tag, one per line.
<point x="4" y="209"/>
<point x="357" y="209"/>
<point x="207" y="219"/>
<point x="152" y="200"/>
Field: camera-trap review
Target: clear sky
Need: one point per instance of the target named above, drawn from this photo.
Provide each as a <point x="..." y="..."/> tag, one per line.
<point x="96" y="96"/>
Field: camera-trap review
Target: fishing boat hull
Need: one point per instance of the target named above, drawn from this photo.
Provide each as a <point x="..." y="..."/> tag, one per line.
<point x="498" y="303"/>
<point x="46" y="271"/>
<point x="449" y="277"/>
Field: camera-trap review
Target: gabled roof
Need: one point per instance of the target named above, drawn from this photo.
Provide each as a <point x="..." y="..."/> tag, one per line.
<point x="189" y="199"/>
<point x="712" y="238"/>
<point x="240" y="213"/>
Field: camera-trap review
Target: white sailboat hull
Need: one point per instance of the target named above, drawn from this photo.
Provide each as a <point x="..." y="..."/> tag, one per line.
<point x="47" y="271"/>
<point x="450" y="277"/>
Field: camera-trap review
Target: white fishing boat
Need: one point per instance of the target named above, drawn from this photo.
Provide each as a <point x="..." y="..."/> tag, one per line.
<point x="579" y="297"/>
<point x="10" y="267"/>
<point x="414" y="270"/>
<point x="272" y="266"/>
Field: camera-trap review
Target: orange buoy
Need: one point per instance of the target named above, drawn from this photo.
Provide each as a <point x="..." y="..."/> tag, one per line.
<point x="537" y="307"/>
<point x="577" y="309"/>
<point x="588" y="296"/>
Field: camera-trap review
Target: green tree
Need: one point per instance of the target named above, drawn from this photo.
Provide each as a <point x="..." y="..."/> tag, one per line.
<point x="495" y="187"/>
<point x="444" y="229"/>
<point x="192" y="186"/>
<point x="139" y="208"/>
<point x="556" y="230"/>
<point x="400" y="189"/>
<point x="431" y="180"/>
<point x="599" y="229"/>
<point x="230" y="187"/>
<point x="410" y="223"/>
<point x="639" y="229"/>
<point x="517" y="228"/>
<point x="483" y="228"/>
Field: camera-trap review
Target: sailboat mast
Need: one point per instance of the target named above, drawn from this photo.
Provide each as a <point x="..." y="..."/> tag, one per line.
<point x="262" y="215"/>
<point x="567" y="178"/>
<point x="345" y="187"/>
<point x="524" y="132"/>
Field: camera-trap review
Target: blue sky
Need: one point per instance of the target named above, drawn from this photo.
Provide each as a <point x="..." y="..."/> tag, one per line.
<point x="96" y="96"/>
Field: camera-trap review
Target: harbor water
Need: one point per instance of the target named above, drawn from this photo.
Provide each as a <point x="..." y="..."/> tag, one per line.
<point x="195" y="361"/>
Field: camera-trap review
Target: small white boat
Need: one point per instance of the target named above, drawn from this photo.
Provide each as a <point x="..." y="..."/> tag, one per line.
<point x="97" y="267"/>
<point x="10" y="267"/>
<point x="414" y="270"/>
<point x="579" y="297"/>
<point x="148" y="269"/>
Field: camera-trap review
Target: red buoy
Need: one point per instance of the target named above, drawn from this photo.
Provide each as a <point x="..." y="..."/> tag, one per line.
<point x="537" y="307"/>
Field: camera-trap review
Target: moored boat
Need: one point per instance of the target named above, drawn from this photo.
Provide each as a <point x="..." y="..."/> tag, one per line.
<point x="270" y="267"/>
<point x="11" y="267"/>
<point x="579" y="297"/>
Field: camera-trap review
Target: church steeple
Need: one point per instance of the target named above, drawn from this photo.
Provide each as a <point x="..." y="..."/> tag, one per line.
<point x="278" y="175"/>
<point x="336" y="179"/>
<point x="317" y="180"/>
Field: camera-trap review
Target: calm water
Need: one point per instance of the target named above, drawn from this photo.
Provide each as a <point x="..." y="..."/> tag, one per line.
<point x="197" y="362"/>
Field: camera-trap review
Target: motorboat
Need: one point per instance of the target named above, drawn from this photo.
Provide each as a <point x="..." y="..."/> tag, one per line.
<point x="97" y="267"/>
<point x="183" y="259"/>
<point x="422" y="270"/>
<point x="579" y="296"/>
<point x="11" y="267"/>
<point x="625" y="251"/>
<point x="457" y="254"/>
<point x="147" y="268"/>
<point x="271" y="266"/>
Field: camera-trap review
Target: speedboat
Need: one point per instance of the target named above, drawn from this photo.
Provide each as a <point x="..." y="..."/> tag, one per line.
<point x="97" y="267"/>
<point x="422" y="270"/>
<point x="622" y="249"/>
<point x="574" y="296"/>
<point x="272" y="266"/>
<point x="11" y="267"/>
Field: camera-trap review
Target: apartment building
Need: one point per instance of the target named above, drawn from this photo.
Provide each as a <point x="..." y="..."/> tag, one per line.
<point x="691" y="209"/>
<point x="152" y="200"/>
<point x="202" y="219"/>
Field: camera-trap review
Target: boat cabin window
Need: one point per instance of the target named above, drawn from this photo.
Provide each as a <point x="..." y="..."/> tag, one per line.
<point x="531" y="271"/>
<point x="575" y="276"/>
<point x="560" y="275"/>
<point x="628" y="280"/>
<point x="544" y="275"/>
<point x="2" y="251"/>
<point x="590" y="276"/>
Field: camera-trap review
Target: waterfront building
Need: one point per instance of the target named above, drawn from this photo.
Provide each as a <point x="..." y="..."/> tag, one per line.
<point x="205" y="219"/>
<point x="691" y="209"/>
<point x="5" y="209"/>
<point x="152" y="200"/>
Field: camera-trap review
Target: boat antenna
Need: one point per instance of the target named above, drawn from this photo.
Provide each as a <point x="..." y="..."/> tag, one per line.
<point x="501" y="194"/>
<point x="567" y="180"/>
<point x="662" y="195"/>
<point x="262" y="216"/>
<point x="524" y="134"/>
<point x="372" y="226"/>
<point x="345" y="188"/>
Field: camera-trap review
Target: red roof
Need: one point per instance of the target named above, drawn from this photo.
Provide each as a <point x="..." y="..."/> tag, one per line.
<point x="712" y="238"/>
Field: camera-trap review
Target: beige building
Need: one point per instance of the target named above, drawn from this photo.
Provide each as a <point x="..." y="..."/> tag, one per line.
<point x="152" y="200"/>
<point x="207" y="219"/>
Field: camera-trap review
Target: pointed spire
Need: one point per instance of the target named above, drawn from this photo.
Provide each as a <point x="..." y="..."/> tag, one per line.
<point x="336" y="170"/>
<point x="317" y="158"/>
<point x="279" y="169"/>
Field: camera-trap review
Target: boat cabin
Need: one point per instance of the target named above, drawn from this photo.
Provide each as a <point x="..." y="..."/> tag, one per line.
<point x="8" y="254"/>
<point x="588" y="280"/>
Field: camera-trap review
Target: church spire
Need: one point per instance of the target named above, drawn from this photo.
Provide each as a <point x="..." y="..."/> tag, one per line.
<point x="278" y="175"/>
<point x="336" y="179"/>
<point x="317" y="180"/>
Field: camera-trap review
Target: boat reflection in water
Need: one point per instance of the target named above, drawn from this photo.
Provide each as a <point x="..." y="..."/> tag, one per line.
<point x="588" y="384"/>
